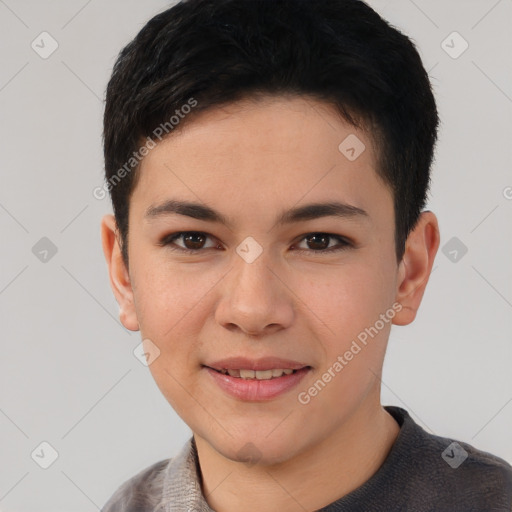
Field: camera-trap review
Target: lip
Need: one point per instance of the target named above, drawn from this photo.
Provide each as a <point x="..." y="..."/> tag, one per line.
<point x="265" y="363"/>
<point x="254" y="390"/>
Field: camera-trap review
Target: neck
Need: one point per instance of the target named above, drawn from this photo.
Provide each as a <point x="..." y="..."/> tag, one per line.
<point x="312" y="479"/>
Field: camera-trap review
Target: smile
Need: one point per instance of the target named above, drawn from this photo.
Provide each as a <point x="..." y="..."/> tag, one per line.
<point x="259" y="375"/>
<point x="257" y="385"/>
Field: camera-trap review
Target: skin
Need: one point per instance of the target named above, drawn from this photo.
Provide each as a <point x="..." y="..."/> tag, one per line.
<point x="251" y="160"/>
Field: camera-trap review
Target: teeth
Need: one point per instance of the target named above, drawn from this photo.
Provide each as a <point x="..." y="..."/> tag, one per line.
<point x="259" y="375"/>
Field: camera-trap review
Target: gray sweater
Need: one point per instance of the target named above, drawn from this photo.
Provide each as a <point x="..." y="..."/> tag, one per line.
<point x="421" y="473"/>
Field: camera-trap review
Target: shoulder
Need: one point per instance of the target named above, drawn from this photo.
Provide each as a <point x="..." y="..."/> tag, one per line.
<point x="454" y="473"/>
<point x="474" y="475"/>
<point x="141" y="492"/>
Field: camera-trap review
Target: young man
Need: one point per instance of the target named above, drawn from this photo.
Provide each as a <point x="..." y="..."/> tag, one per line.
<point x="268" y="163"/>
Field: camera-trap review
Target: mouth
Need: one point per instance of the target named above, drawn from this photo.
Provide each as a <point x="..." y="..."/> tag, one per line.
<point x="274" y="373"/>
<point x="257" y="380"/>
<point x="265" y="368"/>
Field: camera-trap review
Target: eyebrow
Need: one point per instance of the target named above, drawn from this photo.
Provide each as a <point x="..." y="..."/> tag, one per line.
<point x="297" y="214"/>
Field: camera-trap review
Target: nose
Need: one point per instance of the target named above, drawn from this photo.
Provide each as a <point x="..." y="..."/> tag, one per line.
<point x="255" y="299"/>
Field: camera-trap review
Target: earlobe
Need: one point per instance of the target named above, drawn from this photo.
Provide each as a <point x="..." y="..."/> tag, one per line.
<point x="415" y="267"/>
<point x="118" y="273"/>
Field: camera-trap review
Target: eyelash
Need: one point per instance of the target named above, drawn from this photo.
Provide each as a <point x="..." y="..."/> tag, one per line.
<point x="169" y="239"/>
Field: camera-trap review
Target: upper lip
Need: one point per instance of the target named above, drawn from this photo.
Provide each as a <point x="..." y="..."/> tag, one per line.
<point x="265" y="363"/>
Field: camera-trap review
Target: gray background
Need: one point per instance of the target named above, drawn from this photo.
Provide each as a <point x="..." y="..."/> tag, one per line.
<point x="68" y="375"/>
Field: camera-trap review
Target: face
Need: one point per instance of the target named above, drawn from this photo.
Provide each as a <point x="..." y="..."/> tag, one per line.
<point x="257" y="283"/>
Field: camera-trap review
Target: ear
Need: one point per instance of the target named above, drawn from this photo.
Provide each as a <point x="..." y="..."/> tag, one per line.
<point x="414" y="269"/>
<point x="119" y="276"/>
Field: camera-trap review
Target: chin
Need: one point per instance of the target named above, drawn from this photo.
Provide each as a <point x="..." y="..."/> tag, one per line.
<point x="258" y="449"/>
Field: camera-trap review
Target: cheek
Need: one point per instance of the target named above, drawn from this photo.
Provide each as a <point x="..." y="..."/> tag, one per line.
<point x="354" y="345"/>
<point x="351" y="304"/>
<point x="165" y="297"/>
<point x="173" y="307"/>
<point x="347" y="299"/>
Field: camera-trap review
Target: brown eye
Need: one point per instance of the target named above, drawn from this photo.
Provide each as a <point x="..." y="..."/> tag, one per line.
<point x="193" y="241"/>
<point x="319" y="243"/>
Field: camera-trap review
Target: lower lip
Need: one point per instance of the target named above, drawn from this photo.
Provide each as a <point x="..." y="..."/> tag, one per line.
<point x="257" y="390"/>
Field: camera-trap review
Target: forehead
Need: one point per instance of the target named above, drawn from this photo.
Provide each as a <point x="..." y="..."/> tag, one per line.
<point x="274" y="151"/>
